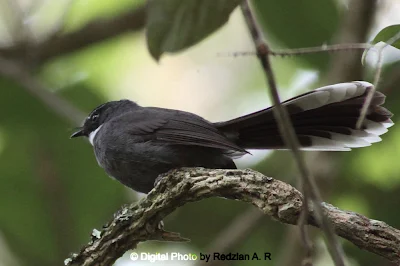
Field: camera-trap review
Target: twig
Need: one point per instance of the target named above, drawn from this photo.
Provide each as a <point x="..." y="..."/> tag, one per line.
<point x="292" y="248"/>
<point x="52" y="187"/>
<point x="23" y="77"/>
<point x="286" y="129"/>
<point x="304" y="233"/>
<point x="323" y="49"/>
<point x="138" y="222"/>
<point x="309" y="50"/>
<point x="377" y="78"/>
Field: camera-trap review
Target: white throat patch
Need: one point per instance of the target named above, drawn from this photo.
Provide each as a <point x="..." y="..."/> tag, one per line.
<point x="92" y="135"/>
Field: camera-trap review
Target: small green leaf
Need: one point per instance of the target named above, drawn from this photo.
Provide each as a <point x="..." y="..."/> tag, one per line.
<point x="386" y="34"/>
<point x="175" y="25"/>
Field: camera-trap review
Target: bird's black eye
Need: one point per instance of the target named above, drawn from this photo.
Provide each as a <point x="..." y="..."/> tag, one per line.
<point x="94" y="117"/>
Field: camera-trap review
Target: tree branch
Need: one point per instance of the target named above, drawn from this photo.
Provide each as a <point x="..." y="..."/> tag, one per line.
<point x="92" y="33"/>
<point x="139" y="222"/>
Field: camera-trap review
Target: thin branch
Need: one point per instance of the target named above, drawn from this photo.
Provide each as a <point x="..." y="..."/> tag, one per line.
<point x="309" y="50"/>
<point x="322" y="49"/>
<point x="22" y="76"/>
<point x="286" y="129"/>
<point x="139" y="222"/>
<point x="52" y="187"/>
<point x="304" y="232"/>
<point x="377" y="78"/>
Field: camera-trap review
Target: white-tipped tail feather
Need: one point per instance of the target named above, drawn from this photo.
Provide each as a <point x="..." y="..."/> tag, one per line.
<point x="357" y="138"/>
<point x="330" y="94"/>
<point x="323" y="119"/>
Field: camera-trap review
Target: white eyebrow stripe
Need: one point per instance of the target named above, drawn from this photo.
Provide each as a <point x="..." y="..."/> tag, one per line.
<point x="92" y="135"/>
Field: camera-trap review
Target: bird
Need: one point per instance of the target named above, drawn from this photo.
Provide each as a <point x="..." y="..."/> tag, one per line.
<point x="136" y="144"/>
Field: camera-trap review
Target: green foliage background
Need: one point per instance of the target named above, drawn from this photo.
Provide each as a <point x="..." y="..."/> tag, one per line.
<point x="53" y="193"/>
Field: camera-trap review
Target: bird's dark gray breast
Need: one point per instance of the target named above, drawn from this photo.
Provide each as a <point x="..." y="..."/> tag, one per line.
<point x="136" y="161"/>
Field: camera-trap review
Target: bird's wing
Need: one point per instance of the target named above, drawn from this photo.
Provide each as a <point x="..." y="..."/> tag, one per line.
<point x="181" y="128"/>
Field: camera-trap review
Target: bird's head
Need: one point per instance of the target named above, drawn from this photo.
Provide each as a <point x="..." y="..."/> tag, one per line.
<point x="101" y="114"/>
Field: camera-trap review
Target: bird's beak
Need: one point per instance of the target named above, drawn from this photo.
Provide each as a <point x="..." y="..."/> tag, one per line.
<point x="78" y="133"/>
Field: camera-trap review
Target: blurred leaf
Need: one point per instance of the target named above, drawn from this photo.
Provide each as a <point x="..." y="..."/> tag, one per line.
<point x="178" y="24"/>
<point x="297" y="24"/>
<point x="386" y="34"/>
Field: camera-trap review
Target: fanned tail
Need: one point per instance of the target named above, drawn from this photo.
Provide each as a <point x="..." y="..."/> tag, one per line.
<point x="324" y="119"/>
